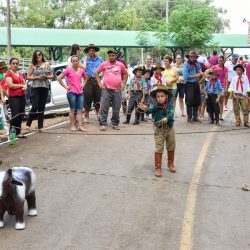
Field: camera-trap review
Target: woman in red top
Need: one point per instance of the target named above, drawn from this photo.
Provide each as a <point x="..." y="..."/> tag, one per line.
<point x="16" y="92"/>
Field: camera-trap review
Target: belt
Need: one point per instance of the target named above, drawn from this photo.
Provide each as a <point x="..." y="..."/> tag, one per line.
<point x="90" y="77"/>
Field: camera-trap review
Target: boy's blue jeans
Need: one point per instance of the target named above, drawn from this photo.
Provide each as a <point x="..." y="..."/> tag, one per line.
<point x="111" y="98"/>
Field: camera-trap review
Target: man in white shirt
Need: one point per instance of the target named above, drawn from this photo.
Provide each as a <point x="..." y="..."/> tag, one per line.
<point x="239" y="88"/>
<point x="231" y="73"/>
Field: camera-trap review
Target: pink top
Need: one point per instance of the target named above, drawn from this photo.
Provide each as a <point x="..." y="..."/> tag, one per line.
<point x="222" y="74"/>
<point x="248" y="71"/>
<point x="213" y="60"/>
<point x="112" y="74"/>
<point x="74" y="79"/>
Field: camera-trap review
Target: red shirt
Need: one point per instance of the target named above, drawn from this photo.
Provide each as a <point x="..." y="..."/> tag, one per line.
<point x="16" y="80"/>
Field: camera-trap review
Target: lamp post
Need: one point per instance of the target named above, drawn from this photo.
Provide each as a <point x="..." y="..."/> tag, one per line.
<point x="8" y="30"/>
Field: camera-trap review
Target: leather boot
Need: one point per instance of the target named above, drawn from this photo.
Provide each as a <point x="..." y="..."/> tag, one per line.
<point x="238" y="121"/>
<point x="171" y="165"/>
<point x="195" y="115"/>
<point x="217" y="119"/>
<point x="158" y="161"/>
<point x="246" y="124"/>
<point x="189" y="114"/>
<point x="127" y="119"/>
<point x="137" y="118"/>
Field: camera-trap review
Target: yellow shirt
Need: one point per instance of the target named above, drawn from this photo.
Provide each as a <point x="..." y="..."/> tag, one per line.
<point x="170" y="75"/>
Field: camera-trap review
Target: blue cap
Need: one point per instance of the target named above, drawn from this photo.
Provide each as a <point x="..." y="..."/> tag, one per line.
<point x="234" y="56"/>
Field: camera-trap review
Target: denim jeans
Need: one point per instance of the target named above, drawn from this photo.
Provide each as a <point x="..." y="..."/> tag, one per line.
<point x="111" y="98"/>
<point x="75" y="100"/>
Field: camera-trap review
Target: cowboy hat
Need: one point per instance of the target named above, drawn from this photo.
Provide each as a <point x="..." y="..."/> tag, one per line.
<point x="91" y="46"/>
<point x="160" y="89"/>
<point x="239" y="66"/>
<point x="192" y="53"/>
<point x="3" y="65"/>
<point x="139" y="68"/>
<point x="213" y="72"/>
<point x="158" y="66"/>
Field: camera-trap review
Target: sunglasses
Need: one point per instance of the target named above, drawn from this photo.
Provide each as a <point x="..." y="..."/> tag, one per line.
<point x="39" y="54"/>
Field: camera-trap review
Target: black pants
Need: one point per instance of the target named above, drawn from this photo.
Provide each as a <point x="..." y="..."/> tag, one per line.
<point x="92" y="93"/>
<point x="38" y="101"/>
<point x="213" y="107"/>
<point x="193" y="96"/>
<point x="17" y="105"/>
<point x="135" y="98"/>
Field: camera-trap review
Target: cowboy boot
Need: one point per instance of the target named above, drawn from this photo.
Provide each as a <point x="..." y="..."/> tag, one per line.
<point x="158" y="161"/>
<point x="246" y="121"/>
<point x="189" y="114"/>
<point x="211" y="115"/>
<point x="127" y="119"/>
<point x="217" y="119"/>
<point x="195" y="115"/>
<point x="238" y="121"/>
<point x="137" y="118"/>
<point x="171" y="165"/>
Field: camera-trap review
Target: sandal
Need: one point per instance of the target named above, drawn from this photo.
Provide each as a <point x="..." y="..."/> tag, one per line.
<point x="82" y="129"/>
<point x="73" y="129"/>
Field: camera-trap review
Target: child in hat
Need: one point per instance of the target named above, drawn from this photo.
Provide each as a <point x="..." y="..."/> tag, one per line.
<point x="213" y="90"/>
<point x="158" y="79"/>
<point x="148" y="98"/>
<point x="239" y="88"/>
<point x="163" y="127"/>
<point x="137" y="90"/>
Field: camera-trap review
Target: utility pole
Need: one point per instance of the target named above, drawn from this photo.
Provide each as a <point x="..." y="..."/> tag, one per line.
<point x="167" y="10"/>
<point x="8" y="30"/>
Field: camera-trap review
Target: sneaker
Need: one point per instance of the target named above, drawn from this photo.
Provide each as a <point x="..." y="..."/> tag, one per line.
<point x="225" y="108"/>
<point x="86" y="120"/>
<point x="116" y="127"/>
<point x="103" y="128"/>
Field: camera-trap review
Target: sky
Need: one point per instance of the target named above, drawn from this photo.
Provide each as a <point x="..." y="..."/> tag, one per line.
<point x="237" y="10"/>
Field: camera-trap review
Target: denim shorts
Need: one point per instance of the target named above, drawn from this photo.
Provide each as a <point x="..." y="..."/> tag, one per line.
<point x="181" y="88"/>
<point x="75" y="100"/>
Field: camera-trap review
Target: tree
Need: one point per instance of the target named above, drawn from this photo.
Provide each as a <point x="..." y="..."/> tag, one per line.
<point x="192" y="24"/>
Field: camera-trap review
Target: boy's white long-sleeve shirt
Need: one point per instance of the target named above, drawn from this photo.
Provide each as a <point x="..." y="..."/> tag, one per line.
<point x="236" y="87"/>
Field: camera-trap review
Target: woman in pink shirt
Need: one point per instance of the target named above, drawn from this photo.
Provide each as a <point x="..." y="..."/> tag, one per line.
<point x="76" y="80"/>
<point x="223" y="77"/>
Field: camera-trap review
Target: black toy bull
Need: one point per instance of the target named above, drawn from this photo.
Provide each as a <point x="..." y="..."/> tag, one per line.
<point x="16" y="185"/>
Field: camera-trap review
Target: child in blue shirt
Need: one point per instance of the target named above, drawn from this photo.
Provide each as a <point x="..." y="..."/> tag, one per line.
<point x="213" y="90"/>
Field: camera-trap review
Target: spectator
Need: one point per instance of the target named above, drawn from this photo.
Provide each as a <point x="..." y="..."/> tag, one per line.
<point x="16" y="92"/>
<point x="181" y="86"/>
<point x="74" y="86"/>
<point x="149" y="65"/>
<point x="92" y="91"/>
<point x="192" y="73"/>
<point x="214" y="58"/>
<point x="231" y="73"/>
<point x="40" y="74"/>
<point x="115" y="77"/>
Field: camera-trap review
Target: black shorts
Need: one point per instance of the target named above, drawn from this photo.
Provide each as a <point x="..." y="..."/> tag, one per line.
<point x="181" y="88"/>
<point x="92" y="93"/>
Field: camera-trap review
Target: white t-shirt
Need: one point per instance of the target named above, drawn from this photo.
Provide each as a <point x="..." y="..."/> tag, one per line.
<point x="245" y="84"/>
<point x="231" y="72"/>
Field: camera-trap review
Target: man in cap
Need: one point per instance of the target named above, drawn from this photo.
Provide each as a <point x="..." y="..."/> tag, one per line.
<point x="192" y="72"/>
<point x="231" y="73"/>
<point x="92" y="91"/>
<point x="114" y="80"/>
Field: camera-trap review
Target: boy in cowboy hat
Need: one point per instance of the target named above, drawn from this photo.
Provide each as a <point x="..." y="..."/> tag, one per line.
<point x="213" y="90"/>
<point x="137" y="89"/>
<point x="163" y="127"/>
<point x="158" y="79"/>
<point x="239" y="88"/>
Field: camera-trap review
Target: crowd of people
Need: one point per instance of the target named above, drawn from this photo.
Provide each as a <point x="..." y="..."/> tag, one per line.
<point x="150" y="90"/>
